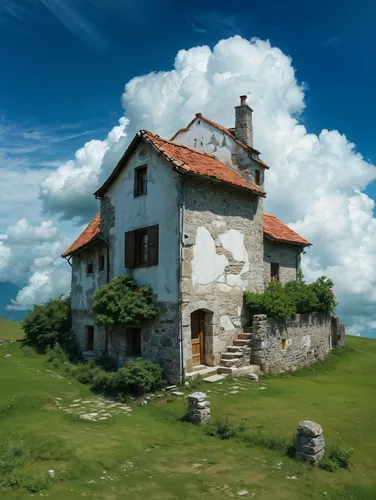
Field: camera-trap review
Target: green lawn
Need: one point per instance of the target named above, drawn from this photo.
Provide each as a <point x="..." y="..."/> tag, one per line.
<point x="10" y="330"/>
<point x="154" y="453"/>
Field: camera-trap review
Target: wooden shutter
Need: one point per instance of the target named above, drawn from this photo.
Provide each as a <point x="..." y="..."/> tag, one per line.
<point x="129" y="249"/>
<point x="153" y="237"/>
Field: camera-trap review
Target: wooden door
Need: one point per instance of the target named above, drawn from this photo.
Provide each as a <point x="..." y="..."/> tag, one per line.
<point x="198" y="338"/>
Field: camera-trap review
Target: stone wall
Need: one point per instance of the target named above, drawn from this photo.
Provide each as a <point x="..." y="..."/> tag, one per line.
<point x="282" y="346"/>
<point x="81" y="319"/>
<point x="222" y="257"/>
<point x="284" y="254"/>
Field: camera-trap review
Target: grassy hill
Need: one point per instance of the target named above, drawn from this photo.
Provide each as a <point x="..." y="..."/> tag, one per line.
<point x="10" y="330"/>
<point x="152" y="452"/>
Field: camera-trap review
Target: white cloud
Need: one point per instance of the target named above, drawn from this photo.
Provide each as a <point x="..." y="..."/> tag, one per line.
<point x="5" y="255"/>
<point x="315" y="181"/>
<point x="24" y="233"/>
<point x="43" y="285"/>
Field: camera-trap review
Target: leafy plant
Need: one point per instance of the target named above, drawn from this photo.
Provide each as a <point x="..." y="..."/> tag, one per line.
<point x="121" y="302"/>
<point x="340" y="456"/>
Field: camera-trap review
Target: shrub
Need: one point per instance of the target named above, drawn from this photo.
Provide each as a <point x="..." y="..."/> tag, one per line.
<point x="283" y="301"/>
<point x="56" y="356"/>
<point x="85" y="373"/>
<point x="224" y="429"/>
<point x="137" y="377"/>
<point x="121" y="302"/>
<point x="28" y="351"/>
<point x="328" y="465"/>
<point x="107" y="363"/>
<point x="340" y="456"/>
<point x="50" y="324"/>
<point x="10" y="456"/>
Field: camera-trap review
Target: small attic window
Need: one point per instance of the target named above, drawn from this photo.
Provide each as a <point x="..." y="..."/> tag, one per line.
<point x="198" y="122"/>
<point x="257" y="178"/>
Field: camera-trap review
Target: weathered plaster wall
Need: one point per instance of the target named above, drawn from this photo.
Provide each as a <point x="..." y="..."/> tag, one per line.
<point x="203" y="136"/>
<point x="281" y="346"/>
<point x="121" y="212"/>
<point x="222" y="256"/>
<point x="283" y="254"/>
<point x="81" y="319"/>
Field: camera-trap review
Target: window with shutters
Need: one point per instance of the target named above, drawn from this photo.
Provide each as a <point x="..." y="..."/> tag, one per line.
<point x="141" y="247"/>
<point x="274" y="271"/>
<point x="133" y="341"/>
<point x="258" y="177"/>
<point x="140" y="181"/>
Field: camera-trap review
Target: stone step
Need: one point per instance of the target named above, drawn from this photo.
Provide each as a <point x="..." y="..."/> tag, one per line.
<point x="245" y="336"/>
<point x="248" y="329"/>
<point x="241" y="342"/>
<point x="234" y="348"/>
<point x="232" y="355"/>
<point x="206" y="371"/>
<point x="239" y="372"/>
<point x="228" y="362"/>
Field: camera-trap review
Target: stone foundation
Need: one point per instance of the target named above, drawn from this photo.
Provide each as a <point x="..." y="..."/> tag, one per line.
<point x="279" y="346"/>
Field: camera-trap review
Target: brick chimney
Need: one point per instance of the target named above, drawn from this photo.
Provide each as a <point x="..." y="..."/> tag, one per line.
<point x="243" y="122"/>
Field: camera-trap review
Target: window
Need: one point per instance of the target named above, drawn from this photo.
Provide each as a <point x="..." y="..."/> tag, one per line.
<point x="274" y="271"/>
<point x="89" y="268"/>
<point x="101" y="263"/>
<point x="284" y="344"/>
<point x="89" y="338"/>
<point x="141" y="247"/>
<point x="133" y="339"/>
<point x="140" y="181"/>
<point x="257" y="178"/>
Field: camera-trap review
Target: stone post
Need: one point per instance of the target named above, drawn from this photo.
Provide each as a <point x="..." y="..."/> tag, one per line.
<point x="310" y="444"/>
<point x="260" y="340"/>
<point x="198" y="408"/>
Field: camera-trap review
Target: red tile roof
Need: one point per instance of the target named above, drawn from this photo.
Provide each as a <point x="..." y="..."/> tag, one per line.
<point x="185" y="161"/>
<point x="228" y="131"/>
<point x="273" y="228"/>
<point x="87" y="236"/>
<point x="277" y="230"/>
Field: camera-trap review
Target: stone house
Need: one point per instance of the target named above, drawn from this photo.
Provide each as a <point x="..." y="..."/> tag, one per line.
<point x="186" y="216"/>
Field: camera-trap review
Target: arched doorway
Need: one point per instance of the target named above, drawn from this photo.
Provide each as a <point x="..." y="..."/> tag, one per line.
<point x="198" y="337"/>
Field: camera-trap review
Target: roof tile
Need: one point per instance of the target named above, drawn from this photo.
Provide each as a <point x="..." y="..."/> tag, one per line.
<point x="86" y="237"/>
<point x="277" y="230"/>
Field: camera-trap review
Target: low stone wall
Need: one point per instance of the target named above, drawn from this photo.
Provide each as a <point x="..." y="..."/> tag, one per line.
<point x="279" y="346"/>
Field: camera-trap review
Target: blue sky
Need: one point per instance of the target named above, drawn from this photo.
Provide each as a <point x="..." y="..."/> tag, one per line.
<point x="64" y="67"/>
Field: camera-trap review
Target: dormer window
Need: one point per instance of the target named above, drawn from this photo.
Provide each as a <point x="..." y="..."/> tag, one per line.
<point x="140" y="181"/>
<point x="257" y="178"/>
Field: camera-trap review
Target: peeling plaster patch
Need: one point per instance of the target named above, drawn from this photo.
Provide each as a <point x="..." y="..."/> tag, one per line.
<point x="207" y="266"/>
<point x="218" y="223"/>
<point x="234" y="280"/>
<point x="226" y="323"/>
<point x="222" y="287"/>
<point x="221" y="279"/>
<point x="245" y="267"/>
<point x="233" y="241"/>
<point x="306" y="341"/>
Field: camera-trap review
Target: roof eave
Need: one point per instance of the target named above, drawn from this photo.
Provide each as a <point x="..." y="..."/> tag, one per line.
<point x="278" y="240"/>
<point x="93" y="241"/>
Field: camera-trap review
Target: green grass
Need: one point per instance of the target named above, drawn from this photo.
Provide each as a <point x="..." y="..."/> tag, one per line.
<point x="10" y="330"/>
<point x="155" y="453"/>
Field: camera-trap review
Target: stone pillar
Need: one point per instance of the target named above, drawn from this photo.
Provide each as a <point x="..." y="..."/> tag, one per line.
<point x="260" y="340"/>
<point x="310" y="442"/>
<point x="198" y="408"/>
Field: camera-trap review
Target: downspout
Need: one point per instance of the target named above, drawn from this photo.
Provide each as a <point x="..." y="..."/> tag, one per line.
<point x="180" y="259"/>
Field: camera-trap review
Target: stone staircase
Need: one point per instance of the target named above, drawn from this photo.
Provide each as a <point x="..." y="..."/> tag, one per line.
<point x="236" y="358"/>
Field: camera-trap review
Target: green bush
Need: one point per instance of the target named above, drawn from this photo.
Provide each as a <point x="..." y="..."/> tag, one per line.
<point x="225" y="429"/>
<point x="11" y="455"/>
<point x="340" y="456"/>
<point x="137" y="377"/>
<point x="283" y="301"/>
<point x="28" y="351"/>
<point x="107" y="363"/>
<point x="85" y="373"/>
<point x="121" y="302"/>
<point x="328" y="465"/>
<point x="50" y="324"/>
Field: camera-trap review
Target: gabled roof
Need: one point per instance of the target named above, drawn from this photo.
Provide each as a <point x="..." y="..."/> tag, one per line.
<point x="273" y="228"/>
<point x="228" y="131"/>
<point x="88" y="236"/>
<point x="184" y="160"/>
<point x="276" y="230"/>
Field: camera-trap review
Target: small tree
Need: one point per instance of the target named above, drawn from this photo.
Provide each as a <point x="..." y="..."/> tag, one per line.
<point x="49" y="324"/>
<point x="121" y="302"/>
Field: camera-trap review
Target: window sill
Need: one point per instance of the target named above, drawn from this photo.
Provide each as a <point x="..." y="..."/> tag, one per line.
<point x="140" y="195"/>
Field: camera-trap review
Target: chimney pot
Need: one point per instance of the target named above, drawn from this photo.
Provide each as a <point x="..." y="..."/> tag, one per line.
<point x="198" y="114"/>
<point x="243" y="100"/>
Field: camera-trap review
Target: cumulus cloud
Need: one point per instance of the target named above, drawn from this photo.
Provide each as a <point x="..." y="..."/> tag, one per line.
<point x="5" y="255"/>
<point x="316" y="182"/>
<point x="42" y="285"/>
<point x="25" y="233"/>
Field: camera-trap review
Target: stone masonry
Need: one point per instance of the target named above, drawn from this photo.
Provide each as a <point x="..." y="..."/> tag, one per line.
<point x="281" y="346"/>
<point x="222" y="256"/>
<point x="310" y="444"/>
<point x="198" y="408"/>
